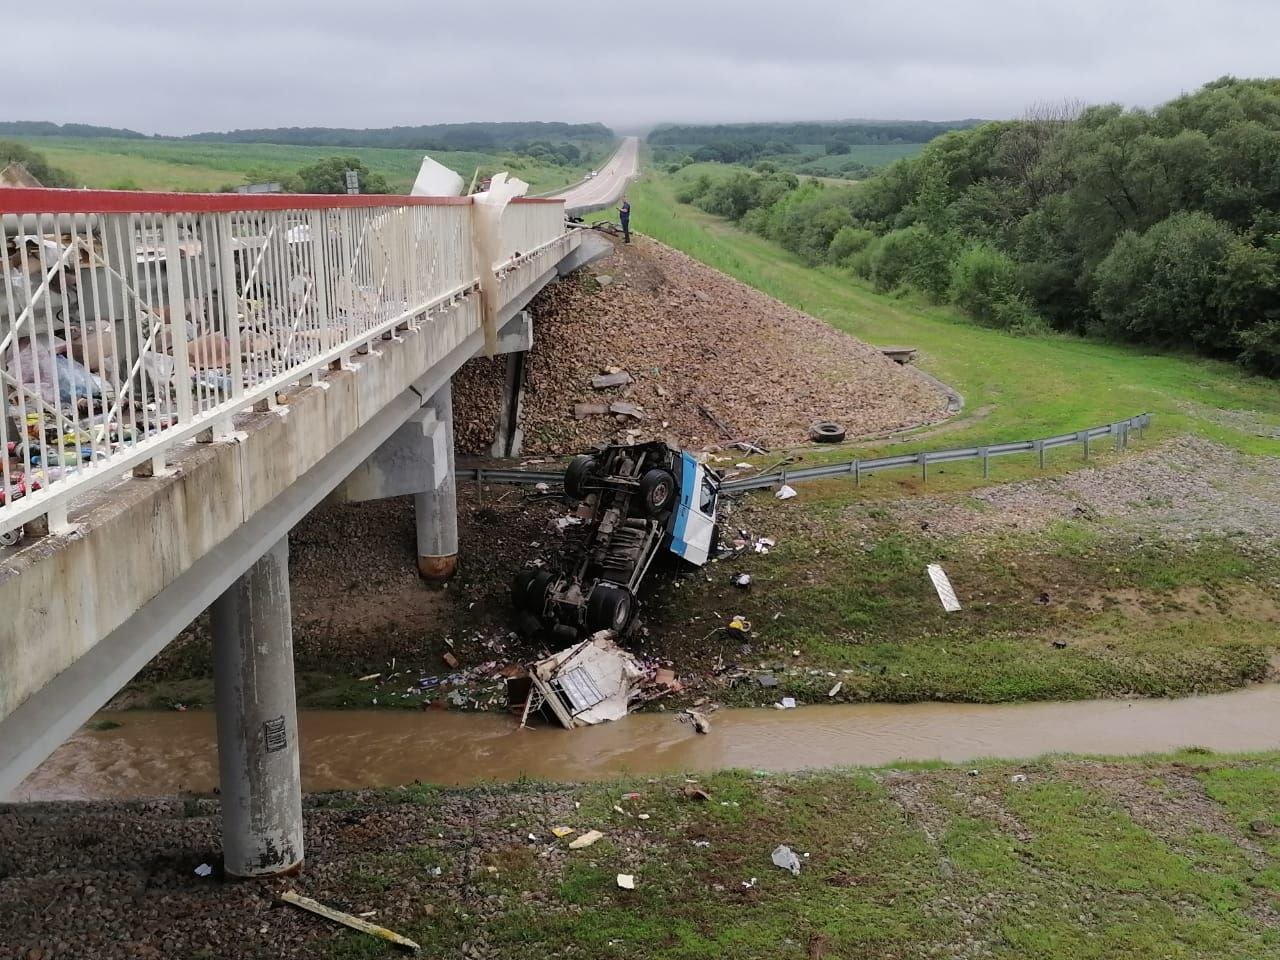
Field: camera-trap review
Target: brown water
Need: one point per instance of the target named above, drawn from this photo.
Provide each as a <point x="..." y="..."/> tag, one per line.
<point x="166" y="753"/>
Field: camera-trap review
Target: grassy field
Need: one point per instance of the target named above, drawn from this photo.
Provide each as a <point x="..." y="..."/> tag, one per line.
<point x="201" y="166"/>
<point x="1085" y="859"/>
<point x="1014" y="387"/>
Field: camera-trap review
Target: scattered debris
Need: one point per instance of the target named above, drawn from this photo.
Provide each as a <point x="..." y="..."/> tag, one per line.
<point x="742" y="580"/>
<point x="560" y="832"/>
<point x="626" y="881"/>
<point x="1018" y="778"/>
<point x="204" y="870"/>
<point x="450" y="659"/>
<point x="767" y="680"/>
<point x="786" y="703"/>
<point x="695" y="792"/>
<point x="764" y="544"/>
<point x="369" y="676"/>
<point x="700" y="722"/>
<point x="785" y="857"/>
<point x="1059" y="644"/>
<point x="586" y="840"/>
<point x="581" y="411"/>
<point x="702" y="844"/>
<point x="785" y="492"/>
<point x="604" y="381"/>
<point x="355" y="923"/>
<point x="941" y="583"/>
<point x="839" y="685"/>
<point x="739" y="625"/>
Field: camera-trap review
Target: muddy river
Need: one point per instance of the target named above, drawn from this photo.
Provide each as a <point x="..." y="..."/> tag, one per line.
<point x="166" y="753"/>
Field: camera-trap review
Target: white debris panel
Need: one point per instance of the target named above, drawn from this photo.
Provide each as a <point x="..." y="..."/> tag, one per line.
<point x="591" y="682"/>
<point x="946" y="592"/>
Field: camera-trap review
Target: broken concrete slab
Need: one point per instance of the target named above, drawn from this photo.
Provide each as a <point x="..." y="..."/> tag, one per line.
<point x="624" y="409"/>
<point x="583" y="410"/>
<point x="604" y="381"/>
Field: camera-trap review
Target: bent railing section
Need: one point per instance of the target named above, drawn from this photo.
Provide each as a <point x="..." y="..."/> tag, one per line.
<point x="133" y="322"/>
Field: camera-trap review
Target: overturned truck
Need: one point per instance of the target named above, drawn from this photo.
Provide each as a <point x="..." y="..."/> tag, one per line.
<point x="634" y="503"/>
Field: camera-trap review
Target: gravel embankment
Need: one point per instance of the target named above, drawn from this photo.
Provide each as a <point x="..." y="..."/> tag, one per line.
<point x="702" y="348"/>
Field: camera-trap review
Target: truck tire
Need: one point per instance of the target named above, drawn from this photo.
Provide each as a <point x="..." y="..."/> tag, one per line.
<point x="826" y="432"/>
<point x="608" y="608"/>
<point x="657" y="490"/>
<point x="580" y="469"/>
<point x="529" y="590"/>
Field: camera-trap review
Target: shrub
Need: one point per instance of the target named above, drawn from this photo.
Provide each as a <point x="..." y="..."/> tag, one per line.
<point x="985" y="284"/>
<point x="848" y="242"/>
<point x="691" y="191"/>
<point x="911" y="257"/>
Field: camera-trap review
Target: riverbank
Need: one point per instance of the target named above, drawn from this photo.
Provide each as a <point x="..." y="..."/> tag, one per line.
<point x="1045" y="859"/>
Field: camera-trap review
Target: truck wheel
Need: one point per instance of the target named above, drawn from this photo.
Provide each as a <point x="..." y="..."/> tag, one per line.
<point x="657" y="490"/>
<point x="535" y="594"/>
<point x="826" y="432"/>
<point x="580" y="469"/>
<point x="608" y="608"/>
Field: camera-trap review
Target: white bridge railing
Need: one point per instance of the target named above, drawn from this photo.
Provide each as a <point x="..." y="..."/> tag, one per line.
<point x="133" y="322"/>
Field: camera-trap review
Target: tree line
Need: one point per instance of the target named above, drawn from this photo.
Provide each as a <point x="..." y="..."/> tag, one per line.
<point x="1157" y="227"/>
<point x="749" y="142"/>
<point x="441" y="136"/>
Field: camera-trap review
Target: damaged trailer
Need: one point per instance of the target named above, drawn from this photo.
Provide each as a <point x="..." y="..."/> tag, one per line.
<point x="591" y="682"/>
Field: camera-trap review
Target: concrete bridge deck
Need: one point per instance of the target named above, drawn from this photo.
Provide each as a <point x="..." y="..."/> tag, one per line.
<point x="336" y="323"/>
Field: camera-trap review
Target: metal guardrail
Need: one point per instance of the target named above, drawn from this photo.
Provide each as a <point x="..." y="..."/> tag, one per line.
<point x="1119" y="430"/>
<point x="134" y="322"/>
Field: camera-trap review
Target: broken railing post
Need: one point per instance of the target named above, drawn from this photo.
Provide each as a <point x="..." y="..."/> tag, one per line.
<point x="257" y="720"/>
<point x="436" y="508"/>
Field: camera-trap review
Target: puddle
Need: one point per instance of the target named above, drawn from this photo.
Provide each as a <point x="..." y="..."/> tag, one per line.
<point x="167" y="753"/>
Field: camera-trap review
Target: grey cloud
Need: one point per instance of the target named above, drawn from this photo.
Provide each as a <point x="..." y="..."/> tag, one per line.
<point x="177" y="67"/>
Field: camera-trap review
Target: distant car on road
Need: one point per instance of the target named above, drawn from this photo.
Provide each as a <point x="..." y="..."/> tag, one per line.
<point x="636" y="501"/>
<point x="591" y="175"/>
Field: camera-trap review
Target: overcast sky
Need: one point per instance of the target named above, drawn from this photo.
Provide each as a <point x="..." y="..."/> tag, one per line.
<point x="179" y="67"/>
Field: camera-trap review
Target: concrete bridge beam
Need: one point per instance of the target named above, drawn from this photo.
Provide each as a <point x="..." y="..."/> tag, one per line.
<point x="258" y="720"/>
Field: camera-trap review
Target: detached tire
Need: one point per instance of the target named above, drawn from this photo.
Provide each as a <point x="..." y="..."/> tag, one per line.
<point x="826" y="432"/>
<point x="608" y="608"/>
<point x="580" y="470"/>
<point x="657" y="490"/>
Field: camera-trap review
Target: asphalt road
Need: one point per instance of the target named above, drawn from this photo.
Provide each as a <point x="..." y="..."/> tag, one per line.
<point x="607" y="186"/>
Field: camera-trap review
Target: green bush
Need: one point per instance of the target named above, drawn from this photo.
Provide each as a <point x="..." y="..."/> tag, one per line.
<point x="913" y="257"/>
<point x="848" y="242"/>
<point x="693" y="189"/>
<point x="1167" y="285"/>
<point x="985" y="285"/>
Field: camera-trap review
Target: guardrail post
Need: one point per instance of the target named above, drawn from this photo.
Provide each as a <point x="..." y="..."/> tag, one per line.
<point x="1084" y="436"/>
<point x="856" y="469"/>
<point x="924" y="467"/>
<point x="985" y="454"/>
<point x="1039" y="448"/>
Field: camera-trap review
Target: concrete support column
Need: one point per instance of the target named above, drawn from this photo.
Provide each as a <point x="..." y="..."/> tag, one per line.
<point x="258" y="721"/>
<point x="436" y="508"/>
<point x="508" y="438"/>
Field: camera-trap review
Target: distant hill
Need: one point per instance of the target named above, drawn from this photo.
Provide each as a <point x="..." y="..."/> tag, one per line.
<point x="439" y="136"/>
<point x="43" y="128"/>
<point x="852" y="133"/>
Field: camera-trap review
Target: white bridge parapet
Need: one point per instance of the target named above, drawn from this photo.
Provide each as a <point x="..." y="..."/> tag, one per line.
<point x="185" y="377"/>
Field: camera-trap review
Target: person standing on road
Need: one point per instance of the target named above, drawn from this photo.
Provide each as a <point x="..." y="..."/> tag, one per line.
<point x="624" y="217"/>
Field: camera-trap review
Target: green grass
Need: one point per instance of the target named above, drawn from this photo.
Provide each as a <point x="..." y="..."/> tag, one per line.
<point x="1014" y="387"/>
<point x="1079" y="860"/>
<point x="199" y="166"/>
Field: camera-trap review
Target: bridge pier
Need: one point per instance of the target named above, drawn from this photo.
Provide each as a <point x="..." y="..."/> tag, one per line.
<point x="508" y="438"/>
<point x="257" y="720"/>
<point x="436" y="508"/>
